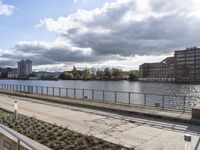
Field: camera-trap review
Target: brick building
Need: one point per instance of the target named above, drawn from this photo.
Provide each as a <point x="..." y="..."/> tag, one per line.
<point x="187" y="64"/>
<point x="160" y="71"/>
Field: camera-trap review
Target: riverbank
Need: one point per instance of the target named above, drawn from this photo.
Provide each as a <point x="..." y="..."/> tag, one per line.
<point x="68" y="79"/>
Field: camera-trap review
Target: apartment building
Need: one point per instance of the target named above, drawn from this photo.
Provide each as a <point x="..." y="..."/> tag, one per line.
<point x="24" y="68"/>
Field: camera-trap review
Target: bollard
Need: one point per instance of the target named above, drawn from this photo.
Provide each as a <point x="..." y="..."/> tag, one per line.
<point x="15" y="109"/>
<point x="187" y="139"/>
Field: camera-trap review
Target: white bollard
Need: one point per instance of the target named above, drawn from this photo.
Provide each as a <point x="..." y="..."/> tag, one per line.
<point x="187" y="138"/>
<point x="15" y="110"/>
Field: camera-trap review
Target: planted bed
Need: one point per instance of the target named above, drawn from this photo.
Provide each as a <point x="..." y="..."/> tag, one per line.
<point x="53" y="136"/>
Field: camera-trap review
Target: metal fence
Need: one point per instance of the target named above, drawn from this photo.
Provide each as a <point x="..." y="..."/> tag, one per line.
<point x="178" y="102"/>
<point x="19" y="139"/>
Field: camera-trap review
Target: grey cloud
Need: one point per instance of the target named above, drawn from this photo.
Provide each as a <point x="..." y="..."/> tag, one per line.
<point x="153" y="35"/>
<point x="110" y="37"/>
<point x="42" y="55"/>
<point x="7" y="63"/>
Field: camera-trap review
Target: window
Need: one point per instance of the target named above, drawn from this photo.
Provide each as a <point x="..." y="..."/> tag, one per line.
<point x="189" y="62"/>
<point x="180" y="62"/>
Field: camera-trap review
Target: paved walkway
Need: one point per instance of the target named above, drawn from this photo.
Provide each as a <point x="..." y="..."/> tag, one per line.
<point x="178" y="116"/>
<point x="142" y="133"/>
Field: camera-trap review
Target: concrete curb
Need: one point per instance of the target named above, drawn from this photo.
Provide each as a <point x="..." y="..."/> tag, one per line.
<point x="124" y="109"/>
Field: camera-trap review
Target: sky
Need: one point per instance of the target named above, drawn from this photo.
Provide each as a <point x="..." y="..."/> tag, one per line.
<point x="57" y="35"/>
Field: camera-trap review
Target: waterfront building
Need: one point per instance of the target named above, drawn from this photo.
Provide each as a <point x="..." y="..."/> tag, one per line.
<point x="24" y="68"/>
<point x="4" y="72"/>
<point x="125" y="75"/>
<point x="159" y="71"/>
<point x="187" y="64"/>
<point x="13" y="73"/>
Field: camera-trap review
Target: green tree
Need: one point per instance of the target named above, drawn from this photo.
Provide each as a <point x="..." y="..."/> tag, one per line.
<point x="100" y="74"/>
<point x="66" y="76"/>
<point x="133" y="75"/>
<point x="117" y="73"/>
<point x="108" y="73"/>
<point x="86" y="75"/>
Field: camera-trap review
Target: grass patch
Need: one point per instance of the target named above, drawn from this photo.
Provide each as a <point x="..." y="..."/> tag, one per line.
<point x="55" y="137"/>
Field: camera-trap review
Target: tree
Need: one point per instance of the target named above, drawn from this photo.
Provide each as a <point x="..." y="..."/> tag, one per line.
<point x="86" y="74"/>
<point x="100" y="74"/>
<point x="133" y="75"/>
<point x="66" y="76"/>
<point x="117" y="73"/>
<point x="108" y="73"/>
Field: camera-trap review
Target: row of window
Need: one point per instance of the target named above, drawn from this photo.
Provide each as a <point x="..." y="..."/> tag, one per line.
<point x="182" y="54"/>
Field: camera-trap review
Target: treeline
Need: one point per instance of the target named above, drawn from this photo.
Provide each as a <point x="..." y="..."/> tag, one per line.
<point x="106" y="74"/>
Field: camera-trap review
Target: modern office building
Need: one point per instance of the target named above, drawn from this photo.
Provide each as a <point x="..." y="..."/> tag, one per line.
<point x="159" y="71"/>
<point x="24" y="68"/>
<point x="187" y="64"/>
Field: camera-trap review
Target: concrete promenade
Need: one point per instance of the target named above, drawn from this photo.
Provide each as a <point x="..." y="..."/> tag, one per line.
<point x="143" y="133"/>
<point x="126" y="109"/>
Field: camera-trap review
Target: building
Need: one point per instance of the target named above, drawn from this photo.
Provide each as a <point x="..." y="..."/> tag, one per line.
<point x="5" y="71"/>
<point x="24" y="68"/>
<point x="159" y="71"/>
<point x="13" y="74"/>
<point x="187" y="64"/>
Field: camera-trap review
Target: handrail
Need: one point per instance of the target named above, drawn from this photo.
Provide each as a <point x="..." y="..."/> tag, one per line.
<point x="18" y="137"/>
<point x="181" y="102"/>
<point x="178" y="95"/>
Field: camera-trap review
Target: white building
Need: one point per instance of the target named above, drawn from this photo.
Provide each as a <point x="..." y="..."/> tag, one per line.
<point x="24" y="68"/>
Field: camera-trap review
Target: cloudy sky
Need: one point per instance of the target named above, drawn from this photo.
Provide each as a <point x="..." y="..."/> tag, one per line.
<point x="56" y="35"/>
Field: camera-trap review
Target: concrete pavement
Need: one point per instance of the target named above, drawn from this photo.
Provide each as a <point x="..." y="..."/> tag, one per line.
<point x="122" y="108"/>
<point x="140" y="132"/>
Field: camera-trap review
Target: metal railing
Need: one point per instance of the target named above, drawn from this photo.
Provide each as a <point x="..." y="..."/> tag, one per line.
<point x="18" y="138"/>
<point x="178" y="102"/>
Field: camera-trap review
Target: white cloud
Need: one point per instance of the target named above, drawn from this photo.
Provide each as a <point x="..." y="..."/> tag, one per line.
<point x="6" y="9"/>
<point x="76" y="1"/>
<point x="132" y="27"/>
<point x="125" y="32"/>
